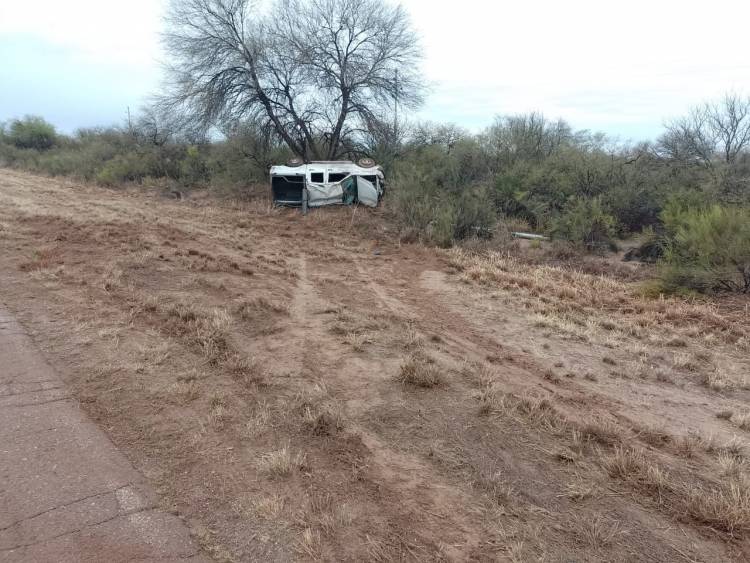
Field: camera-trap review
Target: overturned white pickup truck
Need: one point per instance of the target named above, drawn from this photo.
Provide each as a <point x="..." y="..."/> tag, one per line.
<point x="327" y="183"/>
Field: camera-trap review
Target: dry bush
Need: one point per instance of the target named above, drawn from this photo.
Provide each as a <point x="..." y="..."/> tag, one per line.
<point x="259" y="308"/>
<point x="726" y="508"/>
<point x="207" y="331"/>
<point x="219" y="413"/>
<point x="684" y="362"/>
<point x="657" y="437"/>
<point x="598" y="532"/>
<point x="111" y="278"/>
<point x="184" y="391"/>
<point x="259" y="421"/>
<point x="721" y="380"/>
<point x="210" y="334"/>
<point x="540" y="410"/>
<point x="600" y="431"/>
<point x="247" y="371"/>
<point x="488" y="400"/>
<point x="734" y="447"/>
<point x="321" y="414"/>
<point x="326" y="513"/>
<point x="323" y="420"/>
<point x="581" y="305"/>
<point x="309" y="543"/>
<point x="418" y="371"/>
<point x="268" y="508"/>
<point x="412" y="339"/>
<point x="579" y="490"/>
<point x="731" y="465"/>
<point x="742" y="420"/>
<point x="632" y="465"/>
<point x="716" y="381"/>
<point x="41" y="260"/>
<point x="688" y="445"/>
<point x="357" y="340"/>
<point x="281" y="462"/>
<point x="499" y="490"/>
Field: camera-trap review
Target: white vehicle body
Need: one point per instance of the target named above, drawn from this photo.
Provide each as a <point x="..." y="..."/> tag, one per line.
<point x="327" y="183"/>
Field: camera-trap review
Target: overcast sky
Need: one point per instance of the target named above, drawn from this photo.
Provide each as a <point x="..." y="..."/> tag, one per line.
<point x="618" y="67"/>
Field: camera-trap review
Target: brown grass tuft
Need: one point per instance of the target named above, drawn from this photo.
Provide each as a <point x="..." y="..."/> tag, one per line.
<point x="656" y="437"/>
<point x="726" y="508"/>
<point x="742" y="420"/>
<point x="281" y="463"/>
<point x="417" y="371"/>
<point x="632" y="465"/>
<point x="598" y="532"/>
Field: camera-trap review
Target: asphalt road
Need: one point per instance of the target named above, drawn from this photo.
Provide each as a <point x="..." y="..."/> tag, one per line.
<point x="66" y="493"/>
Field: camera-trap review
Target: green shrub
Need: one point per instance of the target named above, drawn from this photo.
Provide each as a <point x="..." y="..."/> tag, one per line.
<point x="193" y="168"/>
<point x="129" y="167"/>
<point x="474" y="215"/>
<point x="585" y="222"/>
<point x="32" y="132"/>
<point x="707" y="249"/>
<point x="412" y="204"/>
<point x="441" y="230"/>
<point x="438" y="215"/>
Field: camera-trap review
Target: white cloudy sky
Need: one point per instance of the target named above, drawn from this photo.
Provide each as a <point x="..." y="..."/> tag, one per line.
<point x="620" y="67"/>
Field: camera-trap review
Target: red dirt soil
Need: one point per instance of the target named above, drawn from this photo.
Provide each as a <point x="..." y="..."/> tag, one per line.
<point x="249" y="362"/>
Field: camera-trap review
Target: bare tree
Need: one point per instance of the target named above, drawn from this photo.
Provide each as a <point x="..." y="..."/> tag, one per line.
<point x="729" y="121"/>
<point x="527" y="136"/>
<point x="709" y="132"/>
<point x="151" y="127"/>
<point x="315" y="70"/>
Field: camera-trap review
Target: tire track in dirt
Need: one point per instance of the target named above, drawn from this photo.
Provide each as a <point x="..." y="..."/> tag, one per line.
<point x="426" y="472"/>
<point x="410" y="487"/>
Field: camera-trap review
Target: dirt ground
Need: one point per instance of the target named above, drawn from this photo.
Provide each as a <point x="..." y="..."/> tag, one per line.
<point x="307" y="388"/>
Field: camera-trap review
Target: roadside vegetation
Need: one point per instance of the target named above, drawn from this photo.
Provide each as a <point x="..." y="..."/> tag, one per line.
<point x="683" y="197"/>
<point x="411" y="383"/>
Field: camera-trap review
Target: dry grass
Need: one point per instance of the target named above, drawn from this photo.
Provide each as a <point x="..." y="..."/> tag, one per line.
<point x="111" y="278"/>
<point x="716" y="381"/>
<point x="357" y="340"/>
<point x="259" y="308"/>
<point x="657" y="437"/>
<point x="309" y="544"/>
<point x="259" y="420"/>
<point x="722" y="380"/>
<point x="219" y="412"/>
<point x="735" y="447"/>
<point x="323" y="420"/>
<point x="269" y="508"/>
<point x="184" y="391"/>
<point x="742" y="420"/>
<point x="600" y="431"/>
<point x="247" y="371"/>
<point x="598" y="532"/>
<point x="41" y="259"/>
<point x="632" y="465"/>
<point x="418" y="371"/>
<point x="579" y="490"/>
<point x="726" y="508"/>
<point x="281" y="463"/>
<point x="688" y="445"/>
<point x="441" y="482"/>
